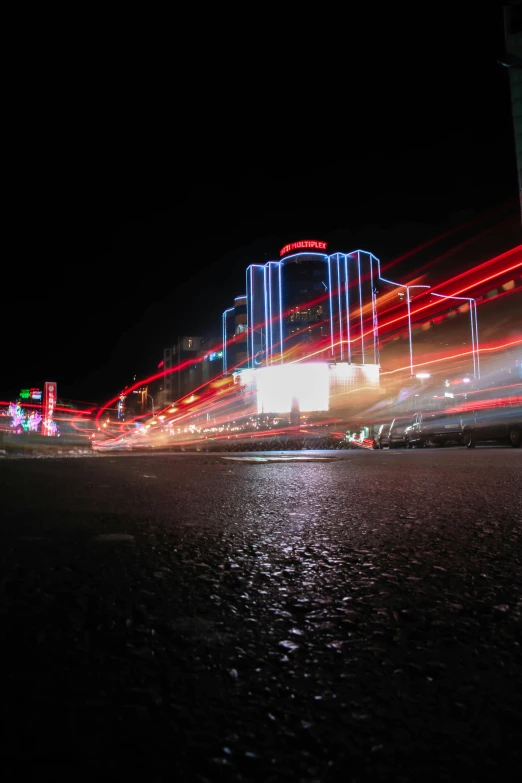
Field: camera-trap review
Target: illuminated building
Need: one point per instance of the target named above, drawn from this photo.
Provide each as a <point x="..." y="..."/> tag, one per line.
<point x="234" y="326"/>
<point x="307" y="306"/>
<point x="307" y="331"/>
<point x="313" y="316"/>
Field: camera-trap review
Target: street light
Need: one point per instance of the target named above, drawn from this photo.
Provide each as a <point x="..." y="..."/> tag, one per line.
<point x="408" y="303"/>
<point x="474" y="328"/>
<point x="152" y="398"/>
<point x="408" y="300"/>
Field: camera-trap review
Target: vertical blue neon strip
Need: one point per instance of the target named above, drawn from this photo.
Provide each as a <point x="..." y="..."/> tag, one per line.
<point x="344" y="347"/>
<point x="225" y="340"/>
<point x="339" y="304"/>
<point x="250" y="307"/>
<point x="360" y="303"/>
<point x="377" y="352"/>
<point x="252" y="311"/>
<point x="269" y="326"/>
<point x="281" y="308"/>
<point x="265" y="302"/>
<point x="331" y="261"/>
<point x="272" y="266"/>
<point x="346" y="284"/>
<point x="275" y="295"/>
<point x="330" y="303"/>
<point x="373" y="314"/>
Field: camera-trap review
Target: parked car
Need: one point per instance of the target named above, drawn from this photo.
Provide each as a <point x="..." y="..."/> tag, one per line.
<point x="436" y="428"/>
<point x="501" y="423"/>
<point x="391" y="434"/>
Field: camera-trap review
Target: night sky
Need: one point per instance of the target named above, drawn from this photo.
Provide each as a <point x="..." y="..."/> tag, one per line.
<point x="141" y="186"/>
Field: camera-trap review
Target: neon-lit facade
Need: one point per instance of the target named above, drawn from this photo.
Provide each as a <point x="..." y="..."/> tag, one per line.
<point x="308" y="306"/>
<point x="312" y="307"/>
<point x="234" y="331"/>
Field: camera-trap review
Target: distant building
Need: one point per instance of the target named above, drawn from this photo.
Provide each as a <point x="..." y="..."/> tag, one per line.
<point x="193" y="361"/>
<point x="176" y="383"/>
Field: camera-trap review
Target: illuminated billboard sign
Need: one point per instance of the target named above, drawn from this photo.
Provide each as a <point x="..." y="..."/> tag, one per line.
<point x="280" y="385"/>
<point x="49" y="405"/>
<point x="30" y="394"/>
<point x="303" y="244"/>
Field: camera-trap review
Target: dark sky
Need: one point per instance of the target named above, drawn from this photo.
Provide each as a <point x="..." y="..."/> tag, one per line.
<point x="142" y="182"/>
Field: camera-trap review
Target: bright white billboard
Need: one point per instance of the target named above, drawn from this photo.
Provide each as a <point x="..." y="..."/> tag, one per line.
<point x="277" y="386"/>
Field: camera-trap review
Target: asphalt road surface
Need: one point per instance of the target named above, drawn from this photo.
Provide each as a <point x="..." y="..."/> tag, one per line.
<point x="200" y="618"/>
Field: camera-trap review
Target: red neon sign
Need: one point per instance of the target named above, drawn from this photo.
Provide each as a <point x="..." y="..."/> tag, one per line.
<point x="304" y="244"/>
<point x="49" y="395"/>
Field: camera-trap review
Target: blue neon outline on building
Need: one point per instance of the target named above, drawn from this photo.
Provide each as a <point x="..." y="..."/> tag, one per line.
<point x="265" y="319"/>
